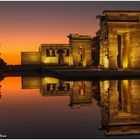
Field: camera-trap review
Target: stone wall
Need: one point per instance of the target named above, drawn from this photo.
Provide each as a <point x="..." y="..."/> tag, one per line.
<point x="48" y="59"/>
<point x="55" y="59"/>
<point x="103" y="37"/>
<point x="130" y="57"/>
<point x="30" y="58"/>
<point x="125" y="24"/>
<point x="135" y="49"/>
<point x="81" y="47"/>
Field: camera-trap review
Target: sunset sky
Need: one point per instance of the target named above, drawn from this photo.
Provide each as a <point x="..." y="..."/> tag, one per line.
<point x="25" y="25"/>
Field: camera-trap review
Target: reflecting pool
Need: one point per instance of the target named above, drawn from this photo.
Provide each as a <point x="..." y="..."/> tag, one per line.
<point x="46" y="107"/>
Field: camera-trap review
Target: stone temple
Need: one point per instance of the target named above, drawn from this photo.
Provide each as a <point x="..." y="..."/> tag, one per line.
<point x="76" y="53"/>
<point x="115" y="46"/>
<point x="119" y="39"/>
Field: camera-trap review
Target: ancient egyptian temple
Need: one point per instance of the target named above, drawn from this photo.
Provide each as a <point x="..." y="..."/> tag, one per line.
<point x="119" y="39"/>
<point x="118" y="45"/>
<point x="76" y="53"/>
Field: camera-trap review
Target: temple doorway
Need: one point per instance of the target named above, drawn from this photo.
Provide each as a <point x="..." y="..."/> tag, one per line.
<point x="123" y="51"/>
<point x="60" y="56"/>
<point x="82" y="57"/>
<point x="124" y="97"/>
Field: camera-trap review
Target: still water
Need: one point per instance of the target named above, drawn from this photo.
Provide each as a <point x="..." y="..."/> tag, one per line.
<point x="45" y="107"/>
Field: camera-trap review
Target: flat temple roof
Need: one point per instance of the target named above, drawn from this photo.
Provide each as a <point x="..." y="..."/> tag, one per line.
<point x="54" y="45"/>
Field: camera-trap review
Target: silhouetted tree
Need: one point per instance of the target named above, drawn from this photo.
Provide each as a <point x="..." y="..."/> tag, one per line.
<point x="2" y="63"/>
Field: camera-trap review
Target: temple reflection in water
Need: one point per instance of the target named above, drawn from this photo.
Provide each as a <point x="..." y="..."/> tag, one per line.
<point x="79" y="91"/>
<point x="119" y="99"/>
<point x="120" y="106"/>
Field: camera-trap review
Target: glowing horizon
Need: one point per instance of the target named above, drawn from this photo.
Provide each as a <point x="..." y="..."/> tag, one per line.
<point x="25" y="25"/>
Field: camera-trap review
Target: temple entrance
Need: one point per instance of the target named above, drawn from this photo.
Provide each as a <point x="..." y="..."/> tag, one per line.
<point x="119" y="52"/>
<point x="82" y="57"/>
<point x="123" y="97"/>
<point x="60" y="56"/>
<point x="123" y="51"/>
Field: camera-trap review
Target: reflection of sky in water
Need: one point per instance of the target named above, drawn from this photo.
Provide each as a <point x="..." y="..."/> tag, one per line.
<point x="26" y="113"/>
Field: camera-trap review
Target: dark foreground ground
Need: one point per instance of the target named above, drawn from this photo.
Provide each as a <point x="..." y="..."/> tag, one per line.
<point x="71" y="73"/>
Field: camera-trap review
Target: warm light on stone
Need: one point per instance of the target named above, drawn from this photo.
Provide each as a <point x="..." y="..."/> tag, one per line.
<point x="120" y="106"/>
<point x="77" y="53"/>
<point x="119" y="39"/>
